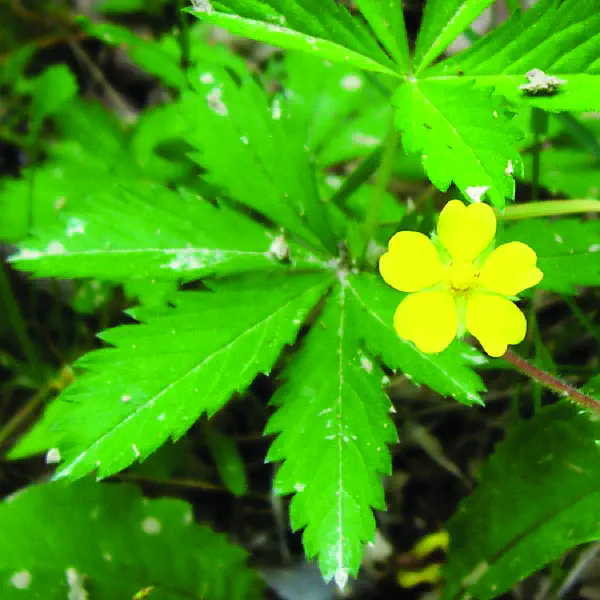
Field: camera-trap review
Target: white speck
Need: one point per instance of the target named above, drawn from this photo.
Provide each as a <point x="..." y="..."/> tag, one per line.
<point x="334" y="181"/>
<point x="558" y="238"/>
<point x="135" y="450"/>
<point x="296" y="322"/>
<point x="495" y="114"/>
<point x="207" y="78"/>
<point x="125" y="398"/>
<point x="107" y="557"/>
<point x="276" y="109"/>
<point x="279" y="248"/>
<point x="299" y="487"/>
<point x="385" y="380"/>
<point x="188" y="519"/>
<point x="75" y="226"/>
<point x="21" y="580"/>
<point x="330" y="437"/>
<point x="366" y="364"/>
<point x="341" y="578"/>
<point x="244" y="140"/>
<point x="594" y="248"/>
<point x="203" y="6"/>
<point x="351" y="83"/>
<point x="215" y="102"/>
<point x="55" y="248"/>
<point x="60" y="202"/>
<point x="161" y="417"/>
<point x="75" y="581"/>
<point x="325" y="411"/>
<point x="509" y="168"/>
<point x="53" y="456"/>
<point x="187" y="260"/>
<point x="151" y="526"/>
<point x="476" y="192"/>
<point x="360" y="139"/>
<point x="26" y="254"/>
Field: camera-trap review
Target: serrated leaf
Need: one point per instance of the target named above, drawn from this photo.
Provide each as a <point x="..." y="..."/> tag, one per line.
<point x="560" y="38"/>
<point x="181" y="362"/>
<point x="537" y="497"/>
<point x="107" y="541"/>
<point x="567" y="250"/>
<point x="386" y="18"/>
<point x="333" y="424"/>
<point x="443" y="22"/>
<point x="320" y="27"/>
<point x="474" y="148"/>
<point x="448" y="373"/>
<point x="121" y="233"/>
<point x="243" y="143"/>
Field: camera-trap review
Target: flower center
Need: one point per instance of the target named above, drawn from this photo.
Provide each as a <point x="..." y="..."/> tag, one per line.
<point x="462" y="276"/>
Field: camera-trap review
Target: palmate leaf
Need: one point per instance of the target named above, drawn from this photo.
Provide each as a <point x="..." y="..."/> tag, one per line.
<point x="567" y="249"/>
<point x="107" y="541"/>
<point x="333" y="425"/>
<point x="443" y="22"/>
<point x="538" y="496"/>
<point x="474" y="147"/>
<point x="120" y="233"/>
<point x="560" y="38"/>
<point x="321" y="27"/>
<point x="179" y="363"/>
<point x="243" y="143"/>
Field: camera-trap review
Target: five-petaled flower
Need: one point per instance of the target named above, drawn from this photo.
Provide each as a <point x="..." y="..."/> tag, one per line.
<point x="459" y="283"/>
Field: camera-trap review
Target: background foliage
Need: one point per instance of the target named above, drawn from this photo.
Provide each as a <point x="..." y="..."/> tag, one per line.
<point x="192" y="220"/>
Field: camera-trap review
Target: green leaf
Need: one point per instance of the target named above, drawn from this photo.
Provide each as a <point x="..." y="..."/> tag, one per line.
<point x="149" y="55"/>
<point x="51" y="91"/>
<point x="474" y="147"/>
<point x="567" y="250"/>
<point x="386" y="18"/>
<point x="320" y="27"/>
<point x="212" y="344"/>
<point x="333" y="423"/>
<point x="448" y="373"/>
<point x="537" y="497"/>
<point x="107" y="541"/>
<point x="120" y="233"/>
<point x="228" y="459"/>
<point x="244" y="144"/>
<point x="443" y="22"/>
<point x="560" y="38"/>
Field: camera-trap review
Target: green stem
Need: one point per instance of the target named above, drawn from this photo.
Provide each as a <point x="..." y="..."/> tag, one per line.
<point x="361" y="174"/>
<point x="549" y="208"/>
<point x="513" y="6"/>
<point x="383" y="177"/>
<point x="582" y="318"/>
<point x="15" y="318"/>
<point x="551" y="382"/>
<point x="184" y="35"/>
<point x="539" y="126"/>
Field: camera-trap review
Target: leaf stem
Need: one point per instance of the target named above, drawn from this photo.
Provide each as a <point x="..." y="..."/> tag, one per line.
<point x="383" y="177"/>
<point x="551" y="382"/>
<point x="548" y="208"/>
<point x="15" y="318"/>
<point x="184" y="35"/>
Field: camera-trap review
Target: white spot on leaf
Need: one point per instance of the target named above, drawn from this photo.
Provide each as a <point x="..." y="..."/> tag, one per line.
<point x="75" y="226"/>
<point x="279" y="248"/>
<point x="360" y="139"/>
<point x="351" y="83"/>
<point x="475" y="192"/>
<point x="151" y="526"/>
<point x="53" y="456"/>
<point x="125" y="398"/>
<point x="207" y="78"/>
<point x="366" y="364"/>
<point x="509" y="168"/>
<point x="75" y="581"/>
<point x="21" y="580"/>
<point x="55" y="248"/>
<point x="594" y="248"/>
<point x="203" y="6"/>
<point x="276" y="109"/>
<point x="215" y="102"/>
<point x="341" y="578"/>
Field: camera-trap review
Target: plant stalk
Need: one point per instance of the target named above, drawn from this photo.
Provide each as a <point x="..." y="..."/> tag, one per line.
<point x="550" y="382"/>
<point x="383" y="177"/>
<point x="549" y="208"/>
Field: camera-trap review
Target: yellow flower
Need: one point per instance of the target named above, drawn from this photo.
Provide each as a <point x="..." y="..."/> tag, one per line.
<point x="457" y="284"/>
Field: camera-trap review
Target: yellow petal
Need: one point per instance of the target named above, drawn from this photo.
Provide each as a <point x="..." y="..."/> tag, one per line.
<point x="510" y="269"/>
<point x="466" y="231"/>
<point x="428" y="319"/>
<point x="495" y="321"/>
<point x="411" y="263"/>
